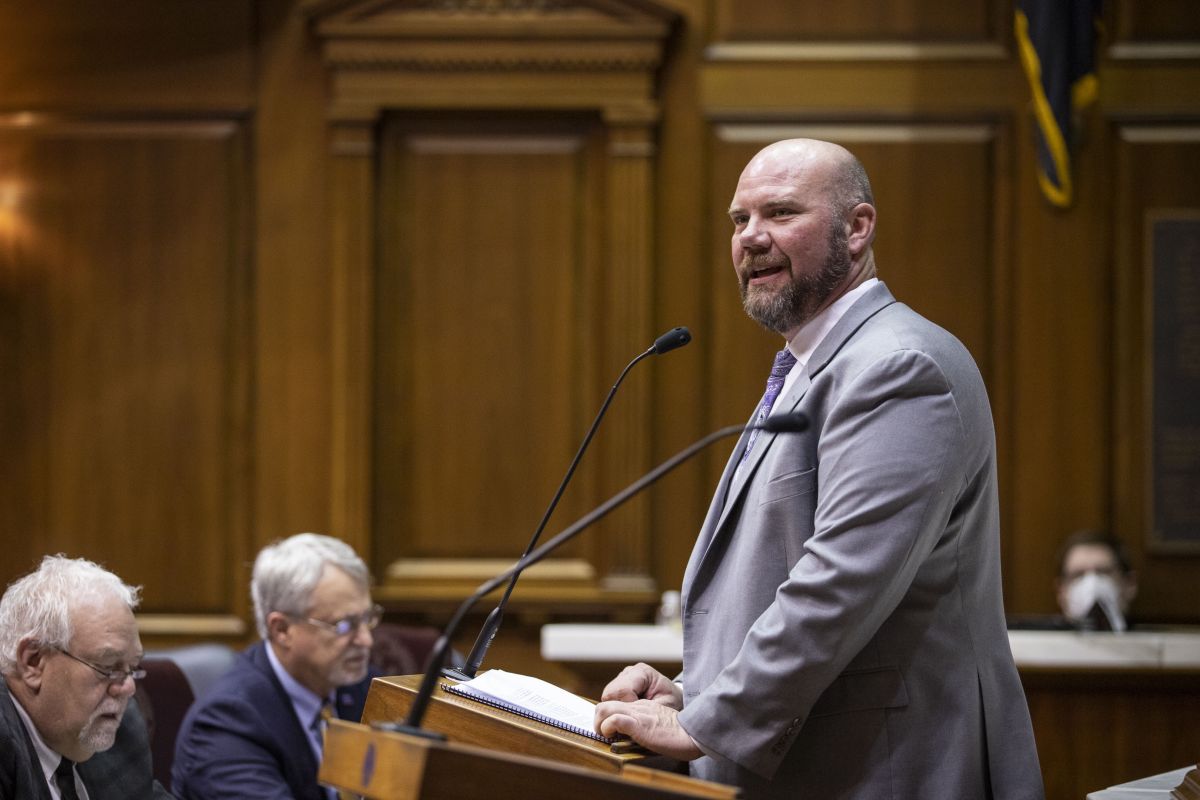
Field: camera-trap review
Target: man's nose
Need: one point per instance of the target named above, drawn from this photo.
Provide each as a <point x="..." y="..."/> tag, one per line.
<point x="752" y="236"/>
<point x="125" y="688"/>
<point x="363" y="636"/>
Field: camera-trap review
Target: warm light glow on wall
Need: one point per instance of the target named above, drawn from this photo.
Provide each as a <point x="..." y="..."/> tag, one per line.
<point x="14" y="192"/>
<point x="11" y="223"/>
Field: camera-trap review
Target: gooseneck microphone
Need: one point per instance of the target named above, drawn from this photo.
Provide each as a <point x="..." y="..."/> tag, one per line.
<point x="671" y="340"/>
<point x="780" y="423"/>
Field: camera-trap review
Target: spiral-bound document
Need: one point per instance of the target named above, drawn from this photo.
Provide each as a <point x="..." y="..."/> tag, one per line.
<point x="533" y="699"/>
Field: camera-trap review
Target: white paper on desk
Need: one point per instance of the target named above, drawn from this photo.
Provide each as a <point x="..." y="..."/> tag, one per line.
<point x="534" y="695"/>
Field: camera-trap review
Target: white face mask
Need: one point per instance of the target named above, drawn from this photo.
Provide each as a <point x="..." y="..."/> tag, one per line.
<point x="1091" y="590"/>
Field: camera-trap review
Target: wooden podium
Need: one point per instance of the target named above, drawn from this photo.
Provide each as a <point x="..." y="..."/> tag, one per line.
<point x="488" y="753"/>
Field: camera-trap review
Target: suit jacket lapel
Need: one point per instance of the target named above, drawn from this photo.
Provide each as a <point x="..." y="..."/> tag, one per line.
<point x="875" y="300"/>
<point x="716" y="507"/>
<point x="739" y="480"/>
<point x="730" y="489"/>
<point x="295" y="737"/>
<point x="36" y="779"/>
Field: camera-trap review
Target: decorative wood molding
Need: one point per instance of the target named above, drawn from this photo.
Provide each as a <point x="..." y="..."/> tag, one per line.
<point x="491" y="19"/>
<point x="491" y="36"/>
<point x="592" y="54"/>
<point x="856" y="51"/>
<point x="884" y="132"/>
<point x="505" y="56"/>
<point x="477" y="570"/>
<point x="190" y="625"/>
<point x="1154" y="51"/>
<point x="595" y="56"/>
<point x="353" y="244"/>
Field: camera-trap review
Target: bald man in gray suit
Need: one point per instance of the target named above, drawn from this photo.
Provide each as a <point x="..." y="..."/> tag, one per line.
<point x="844" y="631"/>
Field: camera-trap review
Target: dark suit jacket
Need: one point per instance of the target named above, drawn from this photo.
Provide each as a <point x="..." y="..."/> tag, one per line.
<point x="123" y="772"/>
<point x="242" y="738"/>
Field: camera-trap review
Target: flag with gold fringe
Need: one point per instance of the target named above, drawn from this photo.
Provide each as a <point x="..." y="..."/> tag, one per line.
<point x="1057" y="42"/>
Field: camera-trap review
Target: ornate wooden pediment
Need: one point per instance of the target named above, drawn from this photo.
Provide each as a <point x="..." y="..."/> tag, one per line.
<point x="578" y="79"/>
<point x="491" y="19"/>
<point x="500" y="53"/>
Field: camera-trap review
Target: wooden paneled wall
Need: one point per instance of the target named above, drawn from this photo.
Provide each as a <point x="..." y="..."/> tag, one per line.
<point x="127" y="285"/>
<point x="485" y="280"/>
<point x="178" y="332"/>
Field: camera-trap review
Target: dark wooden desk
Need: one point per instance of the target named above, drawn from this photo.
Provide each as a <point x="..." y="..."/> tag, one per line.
<point x="1100" y="727"/>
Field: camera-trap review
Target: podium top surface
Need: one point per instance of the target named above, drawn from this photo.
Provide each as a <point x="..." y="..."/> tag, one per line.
<point x="469" y="721"/>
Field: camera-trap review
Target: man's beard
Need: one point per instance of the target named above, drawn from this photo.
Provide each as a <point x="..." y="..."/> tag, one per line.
<point x="350" y="668"/>
<point x="100" y="732"/>
<point x="796" y="303"/>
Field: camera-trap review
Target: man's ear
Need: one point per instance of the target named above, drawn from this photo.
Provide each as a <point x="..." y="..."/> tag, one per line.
<point x="862" y="228"/>
<point x="31" y="663"/>
<point x="279" y="629"/>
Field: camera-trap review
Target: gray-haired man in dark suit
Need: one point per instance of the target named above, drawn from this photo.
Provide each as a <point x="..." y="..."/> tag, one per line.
<point x="69" y="653"/>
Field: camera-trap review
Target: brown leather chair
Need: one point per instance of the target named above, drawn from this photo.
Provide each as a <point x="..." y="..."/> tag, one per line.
<point x="174" y="679"/>
<point x="403" y="649"/>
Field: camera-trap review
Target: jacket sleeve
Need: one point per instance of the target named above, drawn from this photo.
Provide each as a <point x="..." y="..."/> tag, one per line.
<point x="890" y="464"/>
<point x="228" y="753"/>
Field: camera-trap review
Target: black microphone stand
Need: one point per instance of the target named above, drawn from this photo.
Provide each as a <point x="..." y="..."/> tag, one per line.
<point x="672" y="339"/>
<point x="782" y="423"/>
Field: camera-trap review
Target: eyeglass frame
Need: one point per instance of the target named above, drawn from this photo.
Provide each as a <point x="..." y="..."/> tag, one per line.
<point x="371" y="618"/>
<point x="111" y="676"/>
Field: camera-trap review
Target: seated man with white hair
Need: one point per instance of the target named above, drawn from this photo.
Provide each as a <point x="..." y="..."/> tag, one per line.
<point x="257" y="732"/>
<point x="69" y="653"/>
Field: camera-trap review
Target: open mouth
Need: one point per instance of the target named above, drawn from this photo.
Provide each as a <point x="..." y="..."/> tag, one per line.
<point x="763" y="274"/>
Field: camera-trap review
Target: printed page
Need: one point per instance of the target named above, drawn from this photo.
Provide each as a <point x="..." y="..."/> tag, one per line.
<point x="534" y="695"/>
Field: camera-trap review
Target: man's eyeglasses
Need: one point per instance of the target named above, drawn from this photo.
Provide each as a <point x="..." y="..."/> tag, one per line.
<point x="109" y="675"/>
<point x="348" y="625"/>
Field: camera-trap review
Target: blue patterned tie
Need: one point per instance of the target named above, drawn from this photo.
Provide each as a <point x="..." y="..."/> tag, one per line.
<point x="784" y="361"/>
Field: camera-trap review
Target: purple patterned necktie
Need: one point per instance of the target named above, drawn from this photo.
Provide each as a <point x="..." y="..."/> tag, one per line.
<point x="784" y="361"/>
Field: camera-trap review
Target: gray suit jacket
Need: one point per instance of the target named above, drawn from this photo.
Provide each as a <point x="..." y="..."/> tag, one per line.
<point x="844" y="632"/>
<point x="123" y="772"/>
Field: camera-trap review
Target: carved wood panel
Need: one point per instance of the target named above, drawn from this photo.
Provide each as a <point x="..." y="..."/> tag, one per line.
<point x="124" y="280"/>
<point x="1157" y="172"/>
<point x="488" y="263"/>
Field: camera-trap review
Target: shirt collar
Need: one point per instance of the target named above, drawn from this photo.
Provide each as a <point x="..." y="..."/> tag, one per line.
<point x="48" y="757"/>
<point x="806" y="340"/>
<point x="306" y="702"/>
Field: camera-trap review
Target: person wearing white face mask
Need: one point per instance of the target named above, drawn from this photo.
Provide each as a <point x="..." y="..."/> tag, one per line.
<point x="1095" y="583"/>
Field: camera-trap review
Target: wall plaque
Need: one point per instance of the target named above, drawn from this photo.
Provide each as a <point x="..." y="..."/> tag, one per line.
<point x="1174" y="319"/>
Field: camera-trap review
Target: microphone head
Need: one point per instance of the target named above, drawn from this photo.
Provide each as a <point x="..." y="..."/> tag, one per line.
<point x="671" y="340"/>
<point x="795" y="422"/>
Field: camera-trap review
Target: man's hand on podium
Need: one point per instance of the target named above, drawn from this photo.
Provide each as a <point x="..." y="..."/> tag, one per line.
<point x="644" y="704"/>
<point x="651" y="724"/>
<point x="644" y="682"/>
